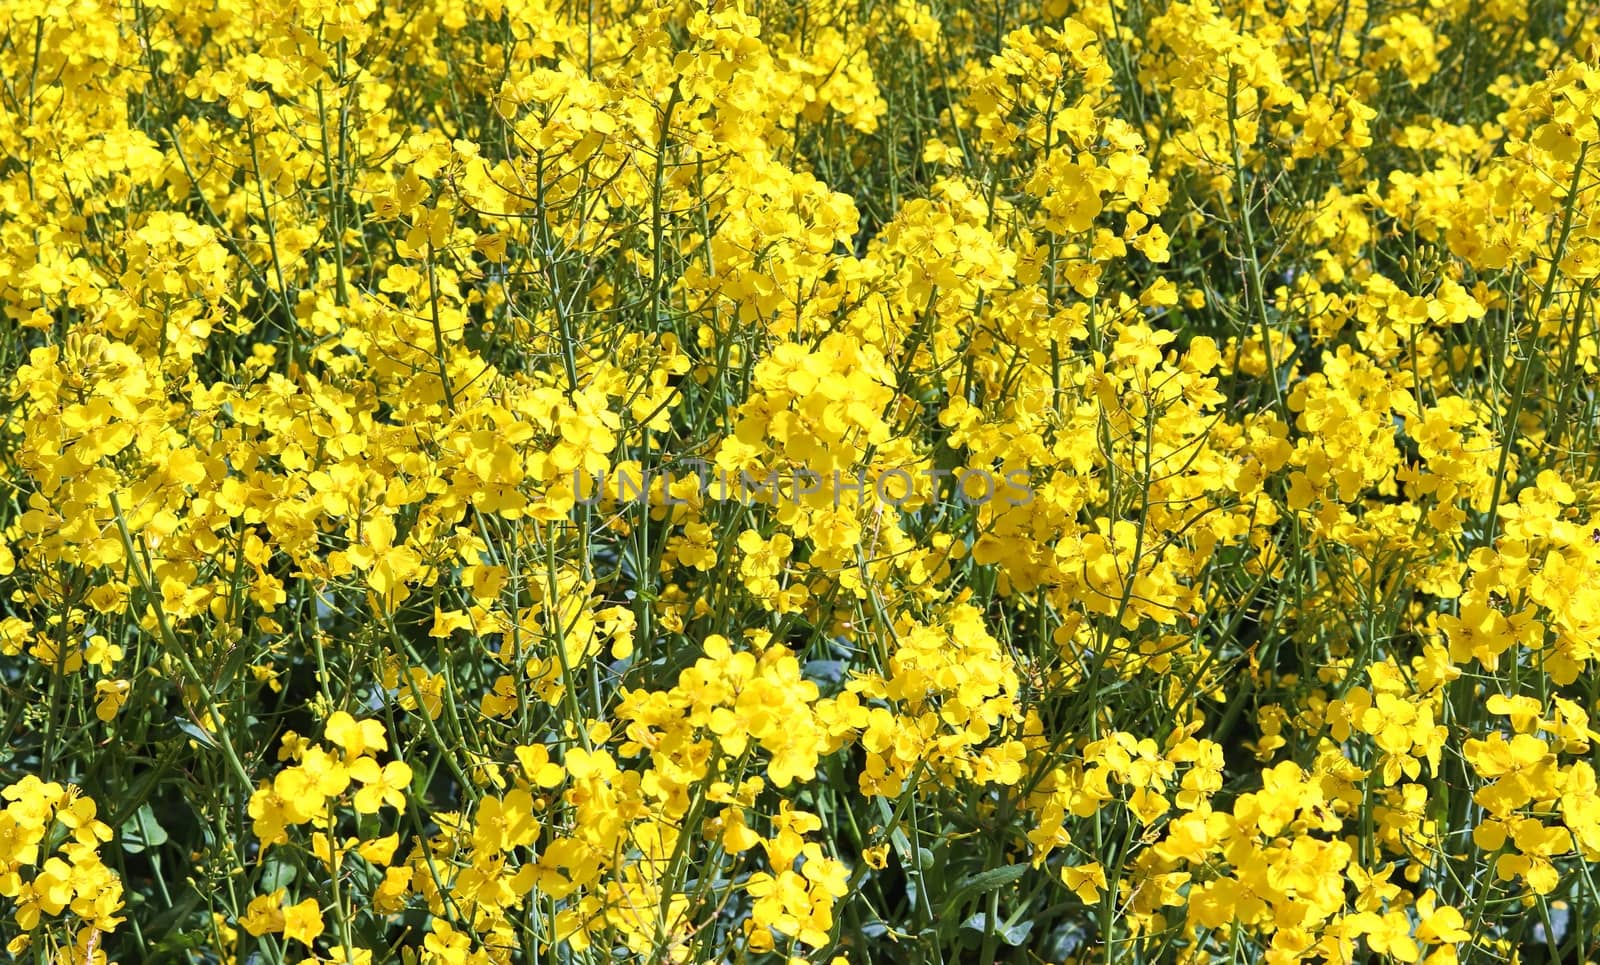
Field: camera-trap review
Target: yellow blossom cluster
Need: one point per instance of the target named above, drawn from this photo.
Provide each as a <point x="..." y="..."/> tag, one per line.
<point x="51" y="874"/>
<point x="1042" y="480"/>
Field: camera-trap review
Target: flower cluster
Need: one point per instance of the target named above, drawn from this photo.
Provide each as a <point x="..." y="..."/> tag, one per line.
<point x="51" y="872"/>
<point x="1038" y="480"/>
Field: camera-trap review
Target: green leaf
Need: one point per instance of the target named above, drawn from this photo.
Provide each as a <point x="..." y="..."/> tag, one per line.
<point x="194" y="730"/>
<point x="142" y="831"/>
<point x="276" y="873"/>
<point x="983" y="882"/>
<point x="1012" y="933"/>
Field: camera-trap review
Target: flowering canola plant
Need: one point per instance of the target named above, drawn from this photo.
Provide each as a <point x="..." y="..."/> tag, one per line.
<point x="330" y="630"/>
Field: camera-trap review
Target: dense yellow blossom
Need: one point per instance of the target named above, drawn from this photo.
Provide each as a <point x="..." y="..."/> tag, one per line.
<point x="1045" y="480"/>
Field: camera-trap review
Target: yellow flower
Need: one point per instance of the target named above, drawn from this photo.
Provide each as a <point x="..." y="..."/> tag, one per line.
<point x="264" y="915"/>
<point x="383" y="785"/>
<point x="112" y="694"/>
<point x="302" y="922"/>
<point x="355" y="737"/>
<point x="1086" y="881"/>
